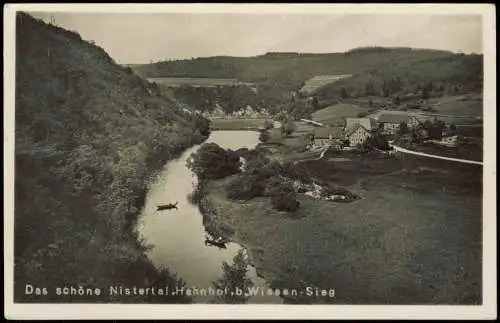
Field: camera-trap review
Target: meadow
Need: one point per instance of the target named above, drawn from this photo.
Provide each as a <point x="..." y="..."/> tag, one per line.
<point x="413" y="238"/>
<point x="335" y="115"/>
<point x="237" y="123"/>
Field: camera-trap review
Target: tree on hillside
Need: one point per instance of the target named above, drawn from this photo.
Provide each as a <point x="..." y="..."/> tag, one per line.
<point x="281" y="116"/>
<point x="212" y="161"/>
<point x="268" y="124"/>
<point x="369" y="88"/>
<point x="403" y="128"/>
<point x="397" y="100"/>
<point x="315" y="104"/>
<point x="235" y="278"/>
<point x="376" y="140"/>
<point x="425" y="94"/>
<point x="202" y="124"/>
<point x="417" y="134"/>
<point x="264" y="136"/>
<point x="434" y="128"/>
<point x="430" y="86"/>
<point x="343" y="93"/>
<point x="288" y="127"/>
<point x="283" y="198"/>
<point x="385" y="89"/>
<point x="453" y="129"/>
<point x="300" y="110"/>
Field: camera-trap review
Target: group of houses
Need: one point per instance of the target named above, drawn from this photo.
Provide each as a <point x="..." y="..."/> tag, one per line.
<point x="246" y="112"/>
<point x="357" y="130"/>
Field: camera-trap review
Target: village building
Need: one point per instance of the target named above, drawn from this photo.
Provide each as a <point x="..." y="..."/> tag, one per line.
<point x="248" y="111"/>
<point x="390" y="123"/>
<point x="357" y="135"/>
<point x="323" y="137"/>
<point x="406" y="138"/>
<point x="218" y="112"/>
<point x="264" y="112"/>
<point x="450" y="141"/>
<point x="368" y="123"/>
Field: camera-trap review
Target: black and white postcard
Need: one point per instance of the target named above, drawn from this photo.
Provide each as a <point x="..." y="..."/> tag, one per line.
<point x="250" y="161"/>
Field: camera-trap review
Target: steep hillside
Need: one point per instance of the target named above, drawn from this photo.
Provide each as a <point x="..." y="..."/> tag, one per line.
<point x="89" y="133"/>
<point x="398" y="77"/>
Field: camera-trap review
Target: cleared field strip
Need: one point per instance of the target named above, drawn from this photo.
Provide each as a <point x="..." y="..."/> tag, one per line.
<point x="319" y="81"/>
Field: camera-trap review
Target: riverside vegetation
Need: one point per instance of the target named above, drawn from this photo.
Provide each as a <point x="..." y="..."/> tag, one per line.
<point x="409" y="235"/>
<point x="89" y="135"/>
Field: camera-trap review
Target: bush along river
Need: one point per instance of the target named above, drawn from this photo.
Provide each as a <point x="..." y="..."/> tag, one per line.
<point x="177" y="235"/>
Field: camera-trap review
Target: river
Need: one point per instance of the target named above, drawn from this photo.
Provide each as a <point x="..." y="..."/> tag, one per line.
<point x="178" y="235"/>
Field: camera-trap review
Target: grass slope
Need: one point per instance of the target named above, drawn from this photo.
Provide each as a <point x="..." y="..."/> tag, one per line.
<point x="413" y="238"/>
<point x="88" y="134"/>
<point x="336" y="114"/>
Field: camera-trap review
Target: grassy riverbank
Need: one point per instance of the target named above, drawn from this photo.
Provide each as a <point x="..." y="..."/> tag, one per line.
<point x="402" y="243"/>
<point x="89" y="135"/>
<point x="237" y="124"/>
<point x="414" y="237"/>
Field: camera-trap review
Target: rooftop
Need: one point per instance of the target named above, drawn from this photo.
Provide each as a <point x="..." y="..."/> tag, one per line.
<point x="368" y="123"/>
<point x="352" y="128"/>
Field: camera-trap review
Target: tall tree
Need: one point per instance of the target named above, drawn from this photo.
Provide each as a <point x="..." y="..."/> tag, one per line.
<point x="403" y="128"/>
<point x="343" y="93"/>
<point x="287" y="127"/>
<point x="397" y="100"/>
<point x="425" y="93"/>
<point x="315" y="104"/>
<point x="235" y="280"/>
<point x="369" y="88"/>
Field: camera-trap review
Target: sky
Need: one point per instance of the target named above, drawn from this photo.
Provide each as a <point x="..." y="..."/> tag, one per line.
<point x="137" y="38"/>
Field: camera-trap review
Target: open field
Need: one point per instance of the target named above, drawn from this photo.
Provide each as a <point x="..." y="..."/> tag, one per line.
<point x="475" y="131"/>
<point x="336" y="114"/>
<point x="237" y="124"/>
<point x="462" y="105"/>
<point x="318" y="81"/>
<point x="292" y="145"/>
<point x="470" y="152"/>
<point x="413" y="238"/>
<point x="354" y="169"/>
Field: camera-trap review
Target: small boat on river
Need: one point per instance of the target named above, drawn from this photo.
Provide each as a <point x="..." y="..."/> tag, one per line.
<point x="169" y="206"/>
<point x="220" y="243"/>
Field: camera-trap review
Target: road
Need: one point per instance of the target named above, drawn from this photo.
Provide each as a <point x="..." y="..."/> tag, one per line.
<point x="465" y="161"/>
<point x="313" y="122"/>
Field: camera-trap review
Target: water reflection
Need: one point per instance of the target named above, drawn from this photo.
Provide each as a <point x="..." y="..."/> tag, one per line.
<point x="178" y="234"/>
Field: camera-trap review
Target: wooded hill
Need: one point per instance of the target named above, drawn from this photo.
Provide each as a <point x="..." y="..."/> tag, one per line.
<point x="289" y="71"/>
<point x="89" y="133"/>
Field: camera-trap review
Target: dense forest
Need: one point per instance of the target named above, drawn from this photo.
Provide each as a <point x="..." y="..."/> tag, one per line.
<point x="290" y="71"/>
<point x="377" y="71"/>
<point x="89" y="135"/>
